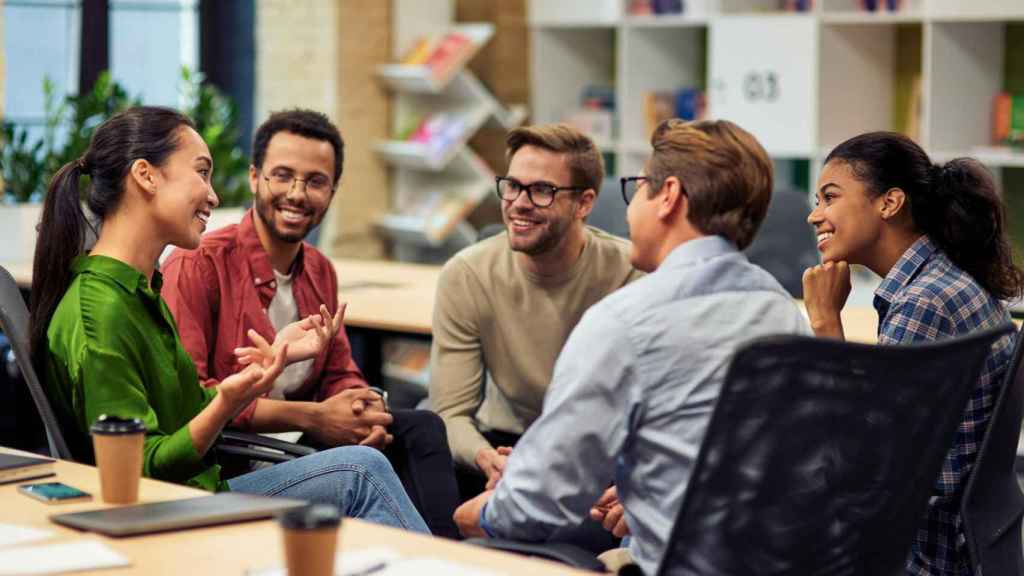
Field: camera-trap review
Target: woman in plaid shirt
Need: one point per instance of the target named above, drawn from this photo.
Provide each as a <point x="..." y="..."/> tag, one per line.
<point x="936" y="234"/>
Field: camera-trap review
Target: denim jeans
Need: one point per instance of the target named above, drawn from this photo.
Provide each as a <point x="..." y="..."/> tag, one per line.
<point x="356" y="479"/>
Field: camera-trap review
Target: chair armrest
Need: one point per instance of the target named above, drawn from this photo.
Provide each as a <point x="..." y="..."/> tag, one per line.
<point x="225" y="451"/>
<point x="259" y="447"/>
<point x="564" y="553"/>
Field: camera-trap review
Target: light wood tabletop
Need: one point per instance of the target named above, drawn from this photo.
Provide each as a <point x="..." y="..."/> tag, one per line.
<point x="860" y="323"/>
<point x="234" y="548"/>
<point x="392" y="296"/>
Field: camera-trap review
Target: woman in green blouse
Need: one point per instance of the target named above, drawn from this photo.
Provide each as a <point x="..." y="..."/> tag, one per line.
<point x="107" y="344"/>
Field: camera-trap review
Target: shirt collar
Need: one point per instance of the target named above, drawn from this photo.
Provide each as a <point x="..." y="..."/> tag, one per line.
<point x="253" y="251"/>
<point x="903" y="272"/>
<point x="698" y="249"/>
<point x="129" y="278"/>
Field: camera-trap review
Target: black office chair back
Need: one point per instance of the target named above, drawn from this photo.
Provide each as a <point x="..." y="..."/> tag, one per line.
<point x="993" y="504"/>
<point x="14" y="321"/>
<point x="820" y="456"/>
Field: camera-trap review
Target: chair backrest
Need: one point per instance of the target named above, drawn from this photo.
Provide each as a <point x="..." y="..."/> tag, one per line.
<point x="14" y="321"/>
<point x="993" y="504"/>
<point x="820" y="456"/>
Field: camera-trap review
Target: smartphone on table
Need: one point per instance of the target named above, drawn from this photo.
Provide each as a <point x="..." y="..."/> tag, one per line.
<point x="54" y="492"/>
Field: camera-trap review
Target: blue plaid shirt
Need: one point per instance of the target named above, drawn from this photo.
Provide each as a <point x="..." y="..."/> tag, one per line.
<point x="927" y="297"/>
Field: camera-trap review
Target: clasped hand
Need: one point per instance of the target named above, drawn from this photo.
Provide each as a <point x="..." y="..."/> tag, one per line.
<point x="492" y="462"/>
<point x="609" y="512"/>
<point x="353" y="416"/>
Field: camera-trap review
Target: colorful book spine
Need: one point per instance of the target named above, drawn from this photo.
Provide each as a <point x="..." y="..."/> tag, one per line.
<point x="1008" y="119"/>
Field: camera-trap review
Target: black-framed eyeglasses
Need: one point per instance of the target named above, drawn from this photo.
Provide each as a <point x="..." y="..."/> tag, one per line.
<point x="630" y="184"/>
<point x="283" y="182"/>
<point x="540" y="194"/>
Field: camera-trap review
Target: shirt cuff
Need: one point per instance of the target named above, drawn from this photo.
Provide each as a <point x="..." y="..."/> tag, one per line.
<point x="483" y="522"/>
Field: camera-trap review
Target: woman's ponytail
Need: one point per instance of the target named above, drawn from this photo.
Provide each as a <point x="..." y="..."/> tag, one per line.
<point x="964" y="214"/>
<point x="956" y="204"/>
<point x="60" y="238"/>
<point x="144" y="132"/>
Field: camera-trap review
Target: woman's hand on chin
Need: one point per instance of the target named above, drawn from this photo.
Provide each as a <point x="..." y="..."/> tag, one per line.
<point x="826" y="288"/>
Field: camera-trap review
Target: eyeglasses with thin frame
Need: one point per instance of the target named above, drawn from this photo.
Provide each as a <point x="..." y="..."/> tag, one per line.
<point x="630" y="184"/>
<point x="284" y="181"/>
<point x="540" y="194"/>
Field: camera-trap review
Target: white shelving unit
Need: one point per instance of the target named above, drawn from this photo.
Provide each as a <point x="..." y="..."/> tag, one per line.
<point x="439" y="182"/>
<point x="839" y="71"/>
<point x="836" y="70"/>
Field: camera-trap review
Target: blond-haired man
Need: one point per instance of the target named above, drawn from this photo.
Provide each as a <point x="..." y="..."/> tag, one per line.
<point x="636" y="382"/>
<point x="506" y="305"/>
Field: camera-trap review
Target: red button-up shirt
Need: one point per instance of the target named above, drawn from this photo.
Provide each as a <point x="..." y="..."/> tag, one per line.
<point x="220" y="290"/>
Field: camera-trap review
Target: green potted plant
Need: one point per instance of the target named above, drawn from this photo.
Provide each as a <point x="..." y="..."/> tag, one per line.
<point x="27" y="163"/>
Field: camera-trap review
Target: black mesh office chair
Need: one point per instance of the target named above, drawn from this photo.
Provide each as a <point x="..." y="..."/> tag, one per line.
<point x="14" y="322"/>
<point x="993" y="504"/>
<point x="821" y="455"/>
<point x="819" y="458"/>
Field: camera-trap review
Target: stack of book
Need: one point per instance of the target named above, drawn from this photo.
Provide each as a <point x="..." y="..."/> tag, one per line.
<point x="686" y="103"/>
<point x="1008" y="119"/>
<point x="880" y="5"/>
<point x="655" y="7"/>
<point x="596" y="114"/>
<point x="797" y="5"/>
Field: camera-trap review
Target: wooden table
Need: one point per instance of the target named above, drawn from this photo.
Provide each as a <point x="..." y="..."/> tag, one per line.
<point x="860" y="323"/>
<point x="388" y="296"/>
<point x="234" y="548"/>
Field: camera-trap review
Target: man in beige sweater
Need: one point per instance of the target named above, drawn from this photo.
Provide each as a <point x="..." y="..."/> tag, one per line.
<point x="506" y="305"/>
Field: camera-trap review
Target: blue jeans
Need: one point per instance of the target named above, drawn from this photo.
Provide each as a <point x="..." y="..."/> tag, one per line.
<point x="356" y="479"/>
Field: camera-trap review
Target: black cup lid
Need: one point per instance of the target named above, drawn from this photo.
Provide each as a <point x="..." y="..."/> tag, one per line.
<point x="112" y="425"/>
<point x="310" y="517"/>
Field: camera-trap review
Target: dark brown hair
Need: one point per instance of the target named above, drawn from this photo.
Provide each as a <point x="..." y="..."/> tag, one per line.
<point x="957" y="204"/>
<point x="306" y="123"/>
<point x="144" y="132"/>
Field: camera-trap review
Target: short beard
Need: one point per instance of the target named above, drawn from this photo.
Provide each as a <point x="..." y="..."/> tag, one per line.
<point x="265" y="211"/>
<point x="548" y="241"/>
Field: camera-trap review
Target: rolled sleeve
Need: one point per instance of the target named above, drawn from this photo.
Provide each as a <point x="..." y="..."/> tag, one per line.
<point x="111" y="385"/>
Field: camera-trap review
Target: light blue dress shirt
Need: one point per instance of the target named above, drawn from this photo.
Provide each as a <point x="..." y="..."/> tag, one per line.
<point x="632" y="394"/>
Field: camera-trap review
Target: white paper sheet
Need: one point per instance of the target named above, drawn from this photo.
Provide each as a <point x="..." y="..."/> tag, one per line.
<point x="63" y="557"/>
<point x="11" y="534"/>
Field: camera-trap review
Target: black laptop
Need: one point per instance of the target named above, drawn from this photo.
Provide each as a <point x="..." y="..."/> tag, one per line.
<point x="220" y="508"/>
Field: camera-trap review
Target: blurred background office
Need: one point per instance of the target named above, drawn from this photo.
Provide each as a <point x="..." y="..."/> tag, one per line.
<point x="424" y="91"/>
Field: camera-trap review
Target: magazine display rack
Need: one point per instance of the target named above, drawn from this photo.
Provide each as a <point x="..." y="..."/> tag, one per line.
<point x="439" y="106"/>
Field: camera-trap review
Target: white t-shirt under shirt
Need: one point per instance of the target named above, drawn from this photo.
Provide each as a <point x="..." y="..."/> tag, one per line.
<point x="282" y="312"/>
